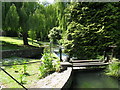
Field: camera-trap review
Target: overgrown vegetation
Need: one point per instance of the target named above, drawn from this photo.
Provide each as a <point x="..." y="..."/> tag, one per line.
<point x="55" y="35"/>
<point x="113" y="69"/>
<point x="92" y="28"/>
<point x="50" y="63"/>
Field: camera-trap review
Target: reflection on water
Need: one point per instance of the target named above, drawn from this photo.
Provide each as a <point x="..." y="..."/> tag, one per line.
<point x="93" y="80"/>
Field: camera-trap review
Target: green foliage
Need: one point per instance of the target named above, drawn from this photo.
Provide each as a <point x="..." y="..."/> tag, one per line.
<point x="50" y="20"/>
<point x="30" y="18"/>
<point x="12" y="18"/>
<point x="60" y="12"/>
<point x="37" y="24"/>
<point x="55" y="34"/>
<point x="79" y="44"/>
<point x="25" y="69"/>
<point x="17" y="73"/>
<point x="113" y="69"/>
<point x="22" y="79"/>
<point x="90" y="30"/>
<point x="48" y="64"/>
<point x="32" y="35"/>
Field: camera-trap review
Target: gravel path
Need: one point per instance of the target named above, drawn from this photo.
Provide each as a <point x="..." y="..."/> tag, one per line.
<point x="55" y="80"/>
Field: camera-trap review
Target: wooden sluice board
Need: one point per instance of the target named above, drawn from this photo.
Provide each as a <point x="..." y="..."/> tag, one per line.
<point x="82" y="61"/>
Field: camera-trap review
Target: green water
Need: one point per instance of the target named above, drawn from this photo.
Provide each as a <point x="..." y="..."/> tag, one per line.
<point x="94" y="79"/>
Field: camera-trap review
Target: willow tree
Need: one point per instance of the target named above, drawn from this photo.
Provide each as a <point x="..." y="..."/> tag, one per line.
<point x="32" y="29"/>
<point x="60" y="11"/>
<point x="23" y="24"/>
<point x="21" y="11"/>
<point x="36" y="25"/>
<point x="12" y="18"/>
<point x="24" y="14"/>
<point x="5" y="9"/>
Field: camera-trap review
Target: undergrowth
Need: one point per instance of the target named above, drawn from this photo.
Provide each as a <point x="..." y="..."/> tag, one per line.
<point x="113" y="69"/>
<point x="49" y="63"/>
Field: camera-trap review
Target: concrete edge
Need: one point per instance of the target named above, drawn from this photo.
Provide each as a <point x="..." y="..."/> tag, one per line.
<point x="68" y="80"/>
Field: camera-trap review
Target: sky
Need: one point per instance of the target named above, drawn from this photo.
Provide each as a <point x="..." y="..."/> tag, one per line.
<point x="50" y="1"/>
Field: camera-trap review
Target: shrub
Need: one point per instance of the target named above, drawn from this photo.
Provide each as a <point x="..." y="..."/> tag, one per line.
<point x="48" y="64"/>
<point x="113" y="69"/>
<point x="55" y="35"/>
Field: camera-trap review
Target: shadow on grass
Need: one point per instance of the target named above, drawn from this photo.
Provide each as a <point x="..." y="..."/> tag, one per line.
<point x="9" y="46"/>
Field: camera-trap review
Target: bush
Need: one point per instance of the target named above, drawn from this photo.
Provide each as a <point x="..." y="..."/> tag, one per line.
<point x="113" y="69"/>
<point x="55" y="35"/>
<point x="48" y="64"/>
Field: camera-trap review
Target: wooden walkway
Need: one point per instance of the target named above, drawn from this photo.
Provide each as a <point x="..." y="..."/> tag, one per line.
<point x="83" y="63"/>
<point x="92" y="64"/>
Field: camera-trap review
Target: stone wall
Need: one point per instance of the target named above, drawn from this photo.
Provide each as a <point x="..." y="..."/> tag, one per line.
<point x="22" y="53"/>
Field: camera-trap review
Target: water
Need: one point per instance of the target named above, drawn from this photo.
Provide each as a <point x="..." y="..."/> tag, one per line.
<point x="64" y="56"/>
<point x="93" y="79"/>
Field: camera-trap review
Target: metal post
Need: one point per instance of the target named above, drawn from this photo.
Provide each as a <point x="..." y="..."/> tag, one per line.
<point x="50" y="48"/>
<point x="112" y="53"/>
<point x="60" y="50"/>
<point x="104" y="53"/>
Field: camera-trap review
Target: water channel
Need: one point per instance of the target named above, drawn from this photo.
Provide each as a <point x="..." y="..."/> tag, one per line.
<point x="94" y="79"/>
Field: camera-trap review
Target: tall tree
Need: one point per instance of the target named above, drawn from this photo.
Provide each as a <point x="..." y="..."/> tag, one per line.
<point x="5" y="9"/>
<point x="12" y="18"/>
<point x="50" y="19"/>
<point x="33" y="17"/>
<point x="60" y="11"/>
<point x="25" y="11"/>
<point x="36" y="24"/>
<point x="91" y="28"/>
<point x="24" y="24"/>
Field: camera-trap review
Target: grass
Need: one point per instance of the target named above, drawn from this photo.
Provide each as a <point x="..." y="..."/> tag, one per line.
<point x="16" y="71"/>
<point x="25" y="73"/>
<point x="11" y="43"/>
<point x="17" y="60"/>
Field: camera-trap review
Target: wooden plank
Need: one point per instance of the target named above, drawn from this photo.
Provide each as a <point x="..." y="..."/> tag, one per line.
<point x="82" y="61"/>
<point x="85" y="64"/>
<point x="89" y="64"/>
<point x="65" y="64"/>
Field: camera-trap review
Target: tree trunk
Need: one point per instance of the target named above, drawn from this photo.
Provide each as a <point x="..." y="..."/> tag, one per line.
<point x="25" y="40"/>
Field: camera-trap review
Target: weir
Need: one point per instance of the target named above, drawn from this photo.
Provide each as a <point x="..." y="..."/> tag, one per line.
<point x="77" y="63"/>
